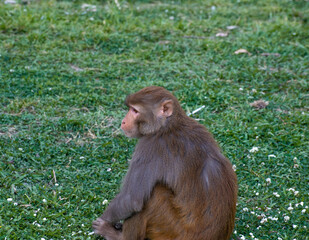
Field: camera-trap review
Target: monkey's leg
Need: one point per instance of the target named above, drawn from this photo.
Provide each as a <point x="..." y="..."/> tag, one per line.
<point x="163" y="220"/>
<point x="157" y="221"/>
<point x="134" y="228"/>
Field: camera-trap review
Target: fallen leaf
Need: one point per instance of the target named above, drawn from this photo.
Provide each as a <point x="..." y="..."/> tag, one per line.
<point x="231" y="27"/>
<point x="195" y="37"/>
<point x="259" y="104"/>
<point x="241" y="51"/>
<point x="271" y="54"/>
<point x="164" y="42"/>
<point x="10" y="2"/>
<point x="222" y="34"/>
<point x="26" y="205"/>
<point x="89" y="7"/>
<point x="77" y="69"/>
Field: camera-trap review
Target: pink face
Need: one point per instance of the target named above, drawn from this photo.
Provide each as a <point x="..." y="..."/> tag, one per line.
<point x="128" y="124"/>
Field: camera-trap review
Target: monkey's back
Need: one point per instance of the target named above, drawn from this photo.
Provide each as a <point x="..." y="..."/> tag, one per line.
<point x="206" y="189"/>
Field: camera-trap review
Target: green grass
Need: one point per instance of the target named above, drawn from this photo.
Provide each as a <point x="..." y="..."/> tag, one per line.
<point x="65" y="71"/>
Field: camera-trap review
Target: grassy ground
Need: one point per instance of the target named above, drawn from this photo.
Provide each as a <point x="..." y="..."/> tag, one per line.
<point x="65" y="70"/>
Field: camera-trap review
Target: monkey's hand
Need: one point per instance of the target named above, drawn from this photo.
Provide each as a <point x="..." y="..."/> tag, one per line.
<point x="105" y="229"/>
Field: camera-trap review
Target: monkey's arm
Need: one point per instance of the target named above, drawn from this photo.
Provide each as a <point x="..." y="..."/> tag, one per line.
<point x="136" y="189"/>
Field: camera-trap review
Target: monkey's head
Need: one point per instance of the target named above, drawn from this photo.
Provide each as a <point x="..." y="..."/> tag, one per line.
<point x="150" y="110"/>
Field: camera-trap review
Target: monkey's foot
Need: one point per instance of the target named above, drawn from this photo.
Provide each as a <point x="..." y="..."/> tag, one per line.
<point x="105" y="229"/>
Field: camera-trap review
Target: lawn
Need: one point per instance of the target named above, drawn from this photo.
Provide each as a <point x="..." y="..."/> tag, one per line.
<point x="66" y="67"/>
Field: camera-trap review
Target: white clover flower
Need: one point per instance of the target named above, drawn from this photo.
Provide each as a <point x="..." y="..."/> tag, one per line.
<point x="245" y="209"/>
<point x="303" y="211"/>
<point x="44" y="200"/>
<point x="294" y="226"/>
<point x="263" y="220"/>
<point x="234" y="168"/>
<point x="268" y="180"/>
<point x="286" y="218"/>
<point x="271" y="155"/>
<point x="242" y="237"/>
<point x="105" y="202"/>
<point x="109" y="169"/>
<point x="44" y="219"/>
<point x="9" y="199"/>
<point x="254" y="149"/>
<point x="276" y="194"/>
<point x="290" y="208"/>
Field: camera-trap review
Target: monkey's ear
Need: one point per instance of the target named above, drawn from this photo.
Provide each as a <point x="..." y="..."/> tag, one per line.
<point x="166" y="108"/>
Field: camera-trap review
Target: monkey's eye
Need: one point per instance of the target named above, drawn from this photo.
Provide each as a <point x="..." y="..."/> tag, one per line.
<point x="134" y="110"/>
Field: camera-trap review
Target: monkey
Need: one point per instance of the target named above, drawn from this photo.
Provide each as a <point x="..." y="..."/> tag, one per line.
<point x="179" y="186"/>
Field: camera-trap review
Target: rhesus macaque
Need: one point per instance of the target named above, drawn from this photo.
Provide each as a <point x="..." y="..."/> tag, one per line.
<point x="179" y="185"/>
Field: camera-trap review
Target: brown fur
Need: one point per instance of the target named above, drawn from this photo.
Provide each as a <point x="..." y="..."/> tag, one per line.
<point x="179" y="185"/>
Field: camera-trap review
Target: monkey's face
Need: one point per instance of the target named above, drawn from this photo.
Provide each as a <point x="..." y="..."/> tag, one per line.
<point x="129" y="124"/>
<point x="145" y="119"/>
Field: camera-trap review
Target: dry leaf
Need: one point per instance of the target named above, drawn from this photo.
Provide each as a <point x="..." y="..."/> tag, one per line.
<point x="231" y="27"/>
<point x="89" y="7"/>
<point x="271" y="54"/>
<point x="26" y="205"/>
<point x="164" y="42"/>
<point x="241" y="51"/>
<point x="77" y="69"/>
<point x="90" y="134"/>
<point x="259" y="104"/>
<point x="10" y="2"/>
<point x="222" y="34"/>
